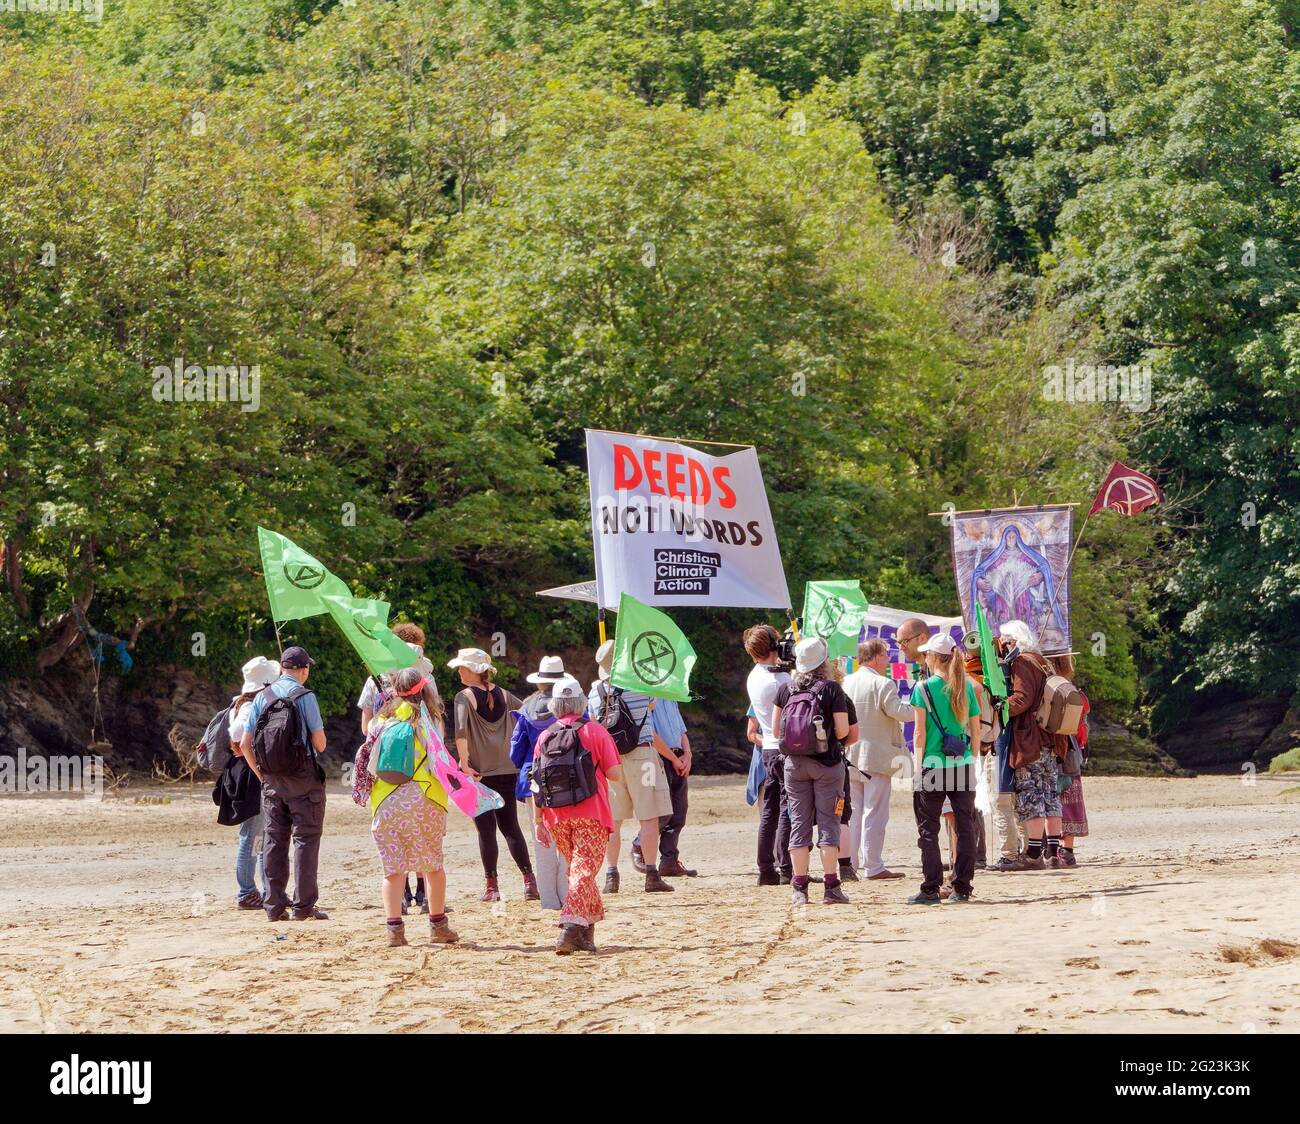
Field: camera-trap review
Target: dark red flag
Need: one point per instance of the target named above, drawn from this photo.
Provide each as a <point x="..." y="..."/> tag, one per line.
<point x="1126" y="490"/>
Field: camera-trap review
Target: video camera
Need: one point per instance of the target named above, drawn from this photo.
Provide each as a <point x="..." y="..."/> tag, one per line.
<point x="785" y="649"/>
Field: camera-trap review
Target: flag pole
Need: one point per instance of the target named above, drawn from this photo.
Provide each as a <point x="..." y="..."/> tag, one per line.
<point x="1069" y="563"/>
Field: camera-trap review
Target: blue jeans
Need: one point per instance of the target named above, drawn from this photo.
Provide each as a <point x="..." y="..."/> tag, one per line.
<point x="249" y="833"/>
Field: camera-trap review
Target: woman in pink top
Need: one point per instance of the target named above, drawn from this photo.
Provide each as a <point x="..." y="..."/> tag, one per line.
<point x="580" y="831"/>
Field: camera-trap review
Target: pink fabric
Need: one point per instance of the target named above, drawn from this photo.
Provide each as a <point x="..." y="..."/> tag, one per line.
<point x="604" y="753"/>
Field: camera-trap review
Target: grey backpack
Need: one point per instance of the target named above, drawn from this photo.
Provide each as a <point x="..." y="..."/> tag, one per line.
<point x="214" y="751"/>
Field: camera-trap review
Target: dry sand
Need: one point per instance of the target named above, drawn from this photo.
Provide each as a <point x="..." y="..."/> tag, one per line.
<point x="1183" y="916"/>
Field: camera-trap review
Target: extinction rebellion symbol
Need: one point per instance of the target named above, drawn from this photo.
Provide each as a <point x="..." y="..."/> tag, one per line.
<point x="302" y="575"/>
<point x="357" y="620"/>
<point x="828" y="619"/>
<point x="653" y="657"/>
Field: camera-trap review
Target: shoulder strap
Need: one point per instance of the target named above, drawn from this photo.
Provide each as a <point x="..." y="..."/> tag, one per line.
<point x="925" y="690"/>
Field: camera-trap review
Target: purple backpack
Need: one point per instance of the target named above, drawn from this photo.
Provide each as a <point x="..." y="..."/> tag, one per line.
<point x="802" y="724"/>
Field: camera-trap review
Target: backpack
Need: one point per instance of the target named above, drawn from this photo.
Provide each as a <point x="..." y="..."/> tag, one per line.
<point x="279" y="739"/>
<point x="803" y="726"/>
<point x="564" y="773"/>
<point x="392" y="760"/>
<point x="1060" y="710"/>
<point x="618" y="720"/>
<point x="214" y="751"/>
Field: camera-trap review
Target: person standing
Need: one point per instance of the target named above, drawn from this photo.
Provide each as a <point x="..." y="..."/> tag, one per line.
<point x="484" y="725"/>
<point x="766" y="678"/>
<point x="581" y="830"/>
<point x="259" y="673"/>
<point x="814" y="782"/>
<point x="666" y="718"/>
<point x="947" y="726"/>
<point x="1074" y="815"/>
<point x="532" y="717"/>
<point x="877" y="757"/>
<point x="283" y="739"/>
<point x="640" y="792"/>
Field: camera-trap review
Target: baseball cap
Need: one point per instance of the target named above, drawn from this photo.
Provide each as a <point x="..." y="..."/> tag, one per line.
<point x="941" y="644"/>
<point x="568" y="688"/>
<point x="295" y="657"/>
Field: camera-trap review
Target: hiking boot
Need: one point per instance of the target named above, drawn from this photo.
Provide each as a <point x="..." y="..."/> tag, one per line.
<point x="959" y="899"/>
<point x="530" y="888"/>
<point x="798" y="894"/>
<point x="312" y="914"/>
<point x="441" y="932"/>
<point x="786" y="878"/>
<point x="611" y="882"/>
<point x="945" y="892"/>
<point x="673" y="869"/>
<point x="570" y="940"/>
<point x="587" y="938"/>
<point x="848" y="874"/>
<point x="396" y="935"/>
<point x="1053" y="862"/>
<point x="921" y="898"/>
<point x="654" y="883"/>
<point x="1026" y="863"/>
<point x="274" y="915"/>
<point x="884" y="874"/>
<point x="768" y="878"/>
<point x="638" y="859"/>
<point x="1005" y="864"/>
<point x="490" y="891"/>
<point x="251" y="900"/>
<point x="1068" y="859"/>
<point x="834" y="895"/>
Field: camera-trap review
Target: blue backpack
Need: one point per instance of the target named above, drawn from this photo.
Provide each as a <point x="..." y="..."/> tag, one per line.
<point x="393" y="759"/>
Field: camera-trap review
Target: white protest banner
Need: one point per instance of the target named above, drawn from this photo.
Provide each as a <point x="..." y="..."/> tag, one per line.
<point x="579" y="591"/>
<point x="673" y="526"/>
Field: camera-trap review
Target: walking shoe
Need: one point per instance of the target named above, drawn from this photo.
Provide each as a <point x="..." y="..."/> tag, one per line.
<point x="404" y="907"/>
<point x="883" y="874"/>
<point x="252" y="900"/>
<point x="638" y="859"/>
<point x="441" y="932"/>
<point x="960" y="899"/>
<point x="921" y="898"/>
<point x="530" y="888"/>
<point x="587" y="938"/>
<point x="490" y="891"/>
<point x="1053" y="862"/>
<point x="274" y="915"/>
<point x="611" y="882"/>
<point x="1005" y="864"/>
<point x="798" y="894"/>
<point x="1026" y="863"/>
<point x="312" y="914"/>
<point x="786" y="878"/>
<point x="570" y="940"/>
<point x="768" y="878"/>
<point x="396" y="935"/>
<point x="654" y="883"/>
<point x="945" y="892"/>
<point x="1068" y="859"/>
<point x="848" y="874"/>
<point x="835" y="895"/>
<point x="422" y="903"/>
<point x="673" y="869"/>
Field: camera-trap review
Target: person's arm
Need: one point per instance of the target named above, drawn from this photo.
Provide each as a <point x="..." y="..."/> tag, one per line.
<point x="842" y="727"/>
<point x="918" y="743"/>
<point x="246" y="750"/>
<point x="776" y="724"/>
<point x="754" y="732"/>
<point x="686" y="756"/>
<point x="891" y="702"/>
<point x="1021" y="696"/>
<point x="366" y="715"/>
<point x="315" y="724"/>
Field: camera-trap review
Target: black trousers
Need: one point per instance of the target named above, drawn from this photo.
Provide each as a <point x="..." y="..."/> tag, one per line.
<point x="297" y="820"/>
<point x="958" y="785"/>
<point x="773" y="818"/>
<point x="505" y="819"/>
<point x="670" y="827"/>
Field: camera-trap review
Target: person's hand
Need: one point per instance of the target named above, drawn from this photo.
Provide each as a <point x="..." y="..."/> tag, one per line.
<point x="686" y="763"/>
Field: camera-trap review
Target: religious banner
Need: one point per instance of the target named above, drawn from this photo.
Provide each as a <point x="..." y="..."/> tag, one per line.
<point x="673" y="526"/>
<point x="1015" y="564"/>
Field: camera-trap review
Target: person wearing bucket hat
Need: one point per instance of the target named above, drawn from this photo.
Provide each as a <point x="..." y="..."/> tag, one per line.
<point x="815" y="720"/>
<point x="485" y="722"/>
<point x="533" y="717"/>
<point x="258" y="673"/>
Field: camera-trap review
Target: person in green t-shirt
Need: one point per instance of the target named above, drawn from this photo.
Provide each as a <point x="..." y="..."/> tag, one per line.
<point x="947" y="710"/>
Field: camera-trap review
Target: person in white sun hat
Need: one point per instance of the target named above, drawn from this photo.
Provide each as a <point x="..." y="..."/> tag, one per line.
<point x="485" y="723"/>
<point x="258" y="673"/>
<point x="947" y="717"/>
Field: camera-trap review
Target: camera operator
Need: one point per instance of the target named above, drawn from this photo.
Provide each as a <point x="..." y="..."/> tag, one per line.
<point x="763" y="644"/>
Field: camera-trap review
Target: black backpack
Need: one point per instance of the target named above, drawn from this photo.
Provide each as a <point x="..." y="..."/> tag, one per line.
<point x="279" y="739"/>
<point x="564" y="773"/>
<point x="214" y="750"/>
<point x="616" y="717"/>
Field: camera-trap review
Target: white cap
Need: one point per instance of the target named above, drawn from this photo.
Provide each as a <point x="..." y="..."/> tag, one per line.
<point x="810" y="653"/>
<point x="568" y="688"/>
<point x="475" y="659"/>
<point x="259" y="672"/>
<point x="941" y="644"/>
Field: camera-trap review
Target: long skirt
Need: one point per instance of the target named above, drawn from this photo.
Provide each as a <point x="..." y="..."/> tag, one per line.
<point x="1074" y="816"/>
<point x="582" y="843"/>
<point x="408" y="829"/>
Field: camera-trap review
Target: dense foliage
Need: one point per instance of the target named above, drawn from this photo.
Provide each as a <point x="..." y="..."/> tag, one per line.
<point x="451" y="235"/>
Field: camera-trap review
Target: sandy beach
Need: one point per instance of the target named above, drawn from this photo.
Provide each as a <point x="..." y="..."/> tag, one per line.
<point x="1183" y="916"/>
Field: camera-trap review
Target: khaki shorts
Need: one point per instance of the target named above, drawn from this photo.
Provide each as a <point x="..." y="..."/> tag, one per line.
<point x="643" y="793"/>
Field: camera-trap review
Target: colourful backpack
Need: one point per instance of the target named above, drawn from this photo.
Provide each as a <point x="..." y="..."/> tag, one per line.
<point x="392" y="759"/>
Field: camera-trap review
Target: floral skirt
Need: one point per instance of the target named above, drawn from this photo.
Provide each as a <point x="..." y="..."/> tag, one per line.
<point x="408" y="829"/>
<point x="582" y="843"/>
<point x="1074" y="816"/>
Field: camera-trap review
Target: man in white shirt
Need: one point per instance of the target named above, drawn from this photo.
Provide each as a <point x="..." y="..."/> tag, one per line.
<point x="766" y="678"/>
<point x="876" y="757"/>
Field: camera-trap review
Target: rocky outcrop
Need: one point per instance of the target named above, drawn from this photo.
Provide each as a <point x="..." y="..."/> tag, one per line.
<point x="1116" y="751"/>
<point x="1283" y="737"/>
<point x="1230" y="734"/>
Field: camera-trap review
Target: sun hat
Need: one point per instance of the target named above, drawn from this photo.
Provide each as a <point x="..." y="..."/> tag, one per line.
<point x="259" y="672"/>
<point x="295" y="658"/>
<point x="548" y="670"/>
<point x="475" y="659"/>
<point x="810" y="653"/>
<point x="605" y="659"/>
<point x="941" y="644"/>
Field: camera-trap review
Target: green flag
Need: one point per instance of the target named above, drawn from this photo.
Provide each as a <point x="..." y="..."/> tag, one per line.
<point x="651" y="654"/>
<point x="295" y="581"/>
<point x="365" y="624"/>
<point x="993" y="677"/>
<point x="834" y="612"/>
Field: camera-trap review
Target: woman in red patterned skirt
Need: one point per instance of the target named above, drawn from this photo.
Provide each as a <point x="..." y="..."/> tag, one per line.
<point x="579" y="831"/>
